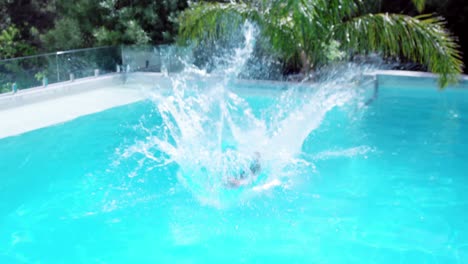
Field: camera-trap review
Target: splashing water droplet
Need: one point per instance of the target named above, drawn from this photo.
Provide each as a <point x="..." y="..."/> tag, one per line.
<point x="224" y="148"/>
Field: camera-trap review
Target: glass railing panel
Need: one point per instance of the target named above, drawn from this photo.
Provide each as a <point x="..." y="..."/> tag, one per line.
<point x="23" y="73"/>
<point x="62" y="66"/>
<point x="162" y="58"/>
<point x="174" y="58"/>
<point x="88" y="62"/>
<point x="42" y="70"/>
<point x="141" y="58"/>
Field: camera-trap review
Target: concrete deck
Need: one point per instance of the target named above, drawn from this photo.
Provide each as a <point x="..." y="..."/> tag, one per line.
<point x="21" y="114"/>
<point x="412" y="79"/>
<point x="40" y="107"/>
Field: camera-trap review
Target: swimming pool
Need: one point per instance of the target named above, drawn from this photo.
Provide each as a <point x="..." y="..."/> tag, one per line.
<point x="378" y="183"/>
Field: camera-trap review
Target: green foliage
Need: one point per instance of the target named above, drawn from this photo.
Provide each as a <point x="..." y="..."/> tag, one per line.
<point x="316" y="29"/>
<point x="40" y="75"/>
<point x="421" y="39"/>
<point x="299" y="30"/>
<point x="419" y="4"/>
<point x="147" y="22"/>
<point x="333" y="51"/>
<point x="51" y="25"/>
<point x="106" y="37"/>
<point x="6" y="87"/>
<point x="65" y="35"/>
<point x="10" y="44"/>
<point x="131" y="33"/>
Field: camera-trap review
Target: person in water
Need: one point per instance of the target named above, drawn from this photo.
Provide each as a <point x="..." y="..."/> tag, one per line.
<point x="245" y="178"/>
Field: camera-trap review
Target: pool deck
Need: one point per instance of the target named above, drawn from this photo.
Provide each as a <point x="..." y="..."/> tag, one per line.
<point x="412" y="79"/>
<point x="41" y="107"/>
<point x="33" y="109"/>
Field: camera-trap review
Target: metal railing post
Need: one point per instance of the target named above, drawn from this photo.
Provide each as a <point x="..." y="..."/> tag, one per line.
<point x="56" y="63"/>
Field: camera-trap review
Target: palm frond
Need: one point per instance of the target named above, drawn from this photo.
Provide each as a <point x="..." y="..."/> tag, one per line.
<point x="213" y="20"/>
<point x="422" y="39"/>
<point x="419" y="4"/>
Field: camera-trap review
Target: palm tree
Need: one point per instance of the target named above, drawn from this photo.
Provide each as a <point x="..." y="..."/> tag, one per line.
<point x="300" y="30"/>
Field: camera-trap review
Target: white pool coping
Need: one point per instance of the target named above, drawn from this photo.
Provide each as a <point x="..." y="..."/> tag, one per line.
<point x="412" y="79"/>
<point x="41" y="107"/>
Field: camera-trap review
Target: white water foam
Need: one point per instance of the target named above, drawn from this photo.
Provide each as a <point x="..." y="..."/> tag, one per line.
<point x="213" y="135"/>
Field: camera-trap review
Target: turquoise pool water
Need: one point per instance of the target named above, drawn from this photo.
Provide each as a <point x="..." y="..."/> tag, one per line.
<point x="386" y="183"/>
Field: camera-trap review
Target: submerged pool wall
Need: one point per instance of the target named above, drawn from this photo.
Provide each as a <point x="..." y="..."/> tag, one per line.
<point x="412" y="79"/>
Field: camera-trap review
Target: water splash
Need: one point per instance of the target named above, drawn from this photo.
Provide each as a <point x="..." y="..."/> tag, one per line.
<point x="226" y="148"/>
